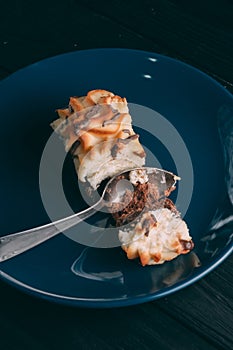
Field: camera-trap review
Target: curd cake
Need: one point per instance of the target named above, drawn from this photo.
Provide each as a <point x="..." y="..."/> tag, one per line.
<point x="97" y="131"/>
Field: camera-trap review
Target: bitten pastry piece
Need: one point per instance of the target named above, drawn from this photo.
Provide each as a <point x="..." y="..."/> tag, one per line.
<point x="97" y="130"/>
<point x="159" y="236"/>
<point x="153" y="229"/>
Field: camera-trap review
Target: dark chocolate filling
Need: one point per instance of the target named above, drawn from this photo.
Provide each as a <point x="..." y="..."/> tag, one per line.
<point x="145" y="197"/>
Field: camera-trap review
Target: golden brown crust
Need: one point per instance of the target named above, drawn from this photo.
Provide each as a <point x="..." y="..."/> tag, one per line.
<point x="157" y="236"/>
<point x="100" y="122"/>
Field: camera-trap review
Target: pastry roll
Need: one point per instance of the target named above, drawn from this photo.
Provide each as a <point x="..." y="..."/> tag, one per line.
<point x="97" y="130"/>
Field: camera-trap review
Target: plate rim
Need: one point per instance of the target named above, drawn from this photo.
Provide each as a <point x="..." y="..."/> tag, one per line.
<point x="131" y="300"/>
<point x="163" y="56"/>
<point x="116" y="302"/>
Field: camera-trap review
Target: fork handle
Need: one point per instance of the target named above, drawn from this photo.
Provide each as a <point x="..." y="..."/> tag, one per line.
<point x="17" y="243"/>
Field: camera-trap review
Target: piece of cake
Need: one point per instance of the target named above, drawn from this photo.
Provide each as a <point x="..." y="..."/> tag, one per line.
<point x="97" y="130"/>
<point x="160" y="235"/>
<point x="151" y="226"/>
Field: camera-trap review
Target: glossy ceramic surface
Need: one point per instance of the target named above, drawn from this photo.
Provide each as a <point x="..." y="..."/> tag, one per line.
<point x="196" y="106"/>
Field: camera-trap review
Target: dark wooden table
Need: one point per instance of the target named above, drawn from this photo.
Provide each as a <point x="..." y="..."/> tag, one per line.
<point x="197" y="32"/>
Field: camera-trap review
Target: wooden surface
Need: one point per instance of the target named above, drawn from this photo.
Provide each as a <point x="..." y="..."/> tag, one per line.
<point x="197" y="32"/>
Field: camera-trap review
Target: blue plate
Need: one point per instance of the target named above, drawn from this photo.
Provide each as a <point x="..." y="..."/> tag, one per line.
<point x="185" y="121"/>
